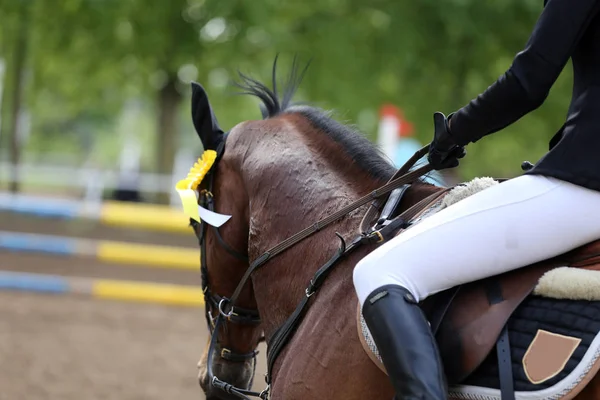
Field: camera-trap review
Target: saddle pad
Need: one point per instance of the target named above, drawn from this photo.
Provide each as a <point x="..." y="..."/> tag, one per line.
<point x="555" y="351"/>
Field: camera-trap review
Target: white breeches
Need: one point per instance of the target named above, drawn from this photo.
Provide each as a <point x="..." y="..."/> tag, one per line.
<point x="507" y="226"/>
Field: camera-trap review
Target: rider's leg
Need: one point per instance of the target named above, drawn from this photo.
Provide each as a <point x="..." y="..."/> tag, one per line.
<point x="510" y="225"/>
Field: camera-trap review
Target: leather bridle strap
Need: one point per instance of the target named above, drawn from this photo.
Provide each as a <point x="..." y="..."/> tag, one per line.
<point x="216" y="382"/>
<point x="222" y="242"/>
<point x="284" y="333"/>
<point x="374" y="209"/>
<point x="305" y="233"/>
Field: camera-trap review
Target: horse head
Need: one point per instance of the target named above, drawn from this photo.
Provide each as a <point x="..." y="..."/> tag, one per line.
<point x="224" y="259"/>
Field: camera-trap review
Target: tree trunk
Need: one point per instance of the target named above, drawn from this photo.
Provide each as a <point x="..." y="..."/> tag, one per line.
<point x="169" y="100"/>
<point x="14" y="85"/>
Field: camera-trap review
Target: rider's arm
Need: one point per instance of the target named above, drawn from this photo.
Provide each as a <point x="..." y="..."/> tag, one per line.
<point x="526" y="84"/>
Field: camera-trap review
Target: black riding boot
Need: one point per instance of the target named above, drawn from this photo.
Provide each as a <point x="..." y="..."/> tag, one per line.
<point x="406" y="344"/>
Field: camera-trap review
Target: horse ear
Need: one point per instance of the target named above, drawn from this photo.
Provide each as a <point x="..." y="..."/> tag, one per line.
<point x="204" y="119"/>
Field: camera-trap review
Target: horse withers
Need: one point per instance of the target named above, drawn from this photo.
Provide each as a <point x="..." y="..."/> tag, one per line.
<point x="279" y="175"/>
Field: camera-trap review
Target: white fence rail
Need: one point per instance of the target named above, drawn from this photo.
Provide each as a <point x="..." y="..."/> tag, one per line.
<point x="93" y="181"/>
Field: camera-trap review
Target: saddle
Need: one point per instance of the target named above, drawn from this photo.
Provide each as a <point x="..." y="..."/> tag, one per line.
<point x="526" y="308"/>
<point x="473" y="314"/>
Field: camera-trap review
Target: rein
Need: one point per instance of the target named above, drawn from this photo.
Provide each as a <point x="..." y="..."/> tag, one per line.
<point x="226" y="306"/>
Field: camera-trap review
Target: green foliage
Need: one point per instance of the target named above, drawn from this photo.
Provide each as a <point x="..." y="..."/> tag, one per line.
<point x="89" y="57"/>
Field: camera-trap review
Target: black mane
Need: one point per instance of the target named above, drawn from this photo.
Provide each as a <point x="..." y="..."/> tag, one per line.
<point x="272" y="105"/>
<point x="364" y="153"/>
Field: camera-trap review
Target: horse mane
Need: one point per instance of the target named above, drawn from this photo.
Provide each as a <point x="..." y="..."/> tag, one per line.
<point x="362" y="151"/>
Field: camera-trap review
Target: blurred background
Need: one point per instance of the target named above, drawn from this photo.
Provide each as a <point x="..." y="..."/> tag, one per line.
<point x="95" y="130"/>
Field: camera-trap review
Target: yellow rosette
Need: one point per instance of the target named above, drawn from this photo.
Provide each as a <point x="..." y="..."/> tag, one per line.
<point x="187" y="187"/>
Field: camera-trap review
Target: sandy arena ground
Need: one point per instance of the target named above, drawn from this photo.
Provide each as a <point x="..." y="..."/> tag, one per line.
<point x="76" y="348"/>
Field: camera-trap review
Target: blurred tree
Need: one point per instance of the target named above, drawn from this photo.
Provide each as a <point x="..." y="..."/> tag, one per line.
<point x="15" y="40"/>
<point x="89" y="56"/>
<point x="134" y="48"/>
<point x="163" y="41"/>
<point x="425" y="56"/>
<point x="80" y="73"/>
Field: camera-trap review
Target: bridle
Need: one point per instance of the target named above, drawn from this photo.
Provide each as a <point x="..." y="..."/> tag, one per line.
<point x="229" y="312"/>
<point x="213" y="301"/>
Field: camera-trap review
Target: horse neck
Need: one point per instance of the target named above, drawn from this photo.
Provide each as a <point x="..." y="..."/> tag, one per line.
<point x="296" y="180"/>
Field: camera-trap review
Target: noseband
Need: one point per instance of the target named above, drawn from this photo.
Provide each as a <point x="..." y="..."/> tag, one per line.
<point x="226" y="309"/>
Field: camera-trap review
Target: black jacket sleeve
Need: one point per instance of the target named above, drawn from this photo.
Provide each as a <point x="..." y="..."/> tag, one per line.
<point x="526" y="84"/>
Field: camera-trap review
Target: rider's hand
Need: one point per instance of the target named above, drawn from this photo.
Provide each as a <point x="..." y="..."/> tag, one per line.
<point x="443" y="151"/>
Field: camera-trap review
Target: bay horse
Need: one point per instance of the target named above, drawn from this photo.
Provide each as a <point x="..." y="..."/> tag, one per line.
<point x="275" y="177"/>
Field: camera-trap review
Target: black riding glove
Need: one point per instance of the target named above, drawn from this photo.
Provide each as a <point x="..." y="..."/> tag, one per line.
<point x="443" y="151"/>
